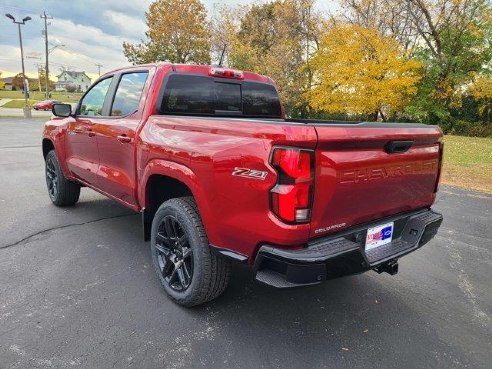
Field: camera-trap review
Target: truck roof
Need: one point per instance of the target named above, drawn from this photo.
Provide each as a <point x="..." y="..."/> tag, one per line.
<point x="191" y="68"/>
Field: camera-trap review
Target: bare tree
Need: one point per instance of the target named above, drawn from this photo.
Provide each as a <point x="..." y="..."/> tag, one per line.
<point x="391" y="17"/>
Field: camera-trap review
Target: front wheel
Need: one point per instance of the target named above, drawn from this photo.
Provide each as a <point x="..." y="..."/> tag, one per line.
<point x="189" y="271"/>
<point x="62" y="192"/>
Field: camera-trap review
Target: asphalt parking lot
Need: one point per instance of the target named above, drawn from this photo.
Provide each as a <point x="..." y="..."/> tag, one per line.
<point x="77" y="290"/>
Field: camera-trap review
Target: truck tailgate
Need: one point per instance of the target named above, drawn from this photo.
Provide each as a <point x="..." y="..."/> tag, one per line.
<point x="369" y="171"/>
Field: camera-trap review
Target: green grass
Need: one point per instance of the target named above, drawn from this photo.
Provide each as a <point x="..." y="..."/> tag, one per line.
<point x="39" y="96"/>
<point x="468" y="162"/>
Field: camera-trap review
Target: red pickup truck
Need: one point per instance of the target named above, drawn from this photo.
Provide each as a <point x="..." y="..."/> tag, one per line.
<point x="220" y="176"/>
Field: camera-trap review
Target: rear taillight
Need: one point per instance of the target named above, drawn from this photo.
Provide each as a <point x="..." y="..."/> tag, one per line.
<point x="439" y="168"/>
<point x="291" y="198"/>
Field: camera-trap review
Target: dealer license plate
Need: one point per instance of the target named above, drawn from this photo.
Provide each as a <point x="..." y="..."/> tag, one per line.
<point x="379" y="236"/>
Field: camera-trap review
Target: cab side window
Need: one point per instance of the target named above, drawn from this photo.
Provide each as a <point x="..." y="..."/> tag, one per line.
<point x="92" y="103"/>
<point x="128" y="94"/>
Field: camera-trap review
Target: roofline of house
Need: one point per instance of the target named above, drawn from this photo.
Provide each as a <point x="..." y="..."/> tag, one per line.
<point x="67" y="71"/>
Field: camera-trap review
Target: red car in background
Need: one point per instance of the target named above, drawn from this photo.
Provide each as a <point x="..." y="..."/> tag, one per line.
<point x="45" y="105"/>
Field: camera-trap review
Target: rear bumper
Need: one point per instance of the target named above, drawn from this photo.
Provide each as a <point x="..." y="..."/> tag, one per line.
<point x="343" y="253"/>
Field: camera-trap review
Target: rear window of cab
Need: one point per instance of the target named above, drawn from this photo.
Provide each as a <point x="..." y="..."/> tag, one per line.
<point x="202" y="95"/>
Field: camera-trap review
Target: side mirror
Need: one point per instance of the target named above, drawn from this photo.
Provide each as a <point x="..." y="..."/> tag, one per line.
<point x="62" y="110"/>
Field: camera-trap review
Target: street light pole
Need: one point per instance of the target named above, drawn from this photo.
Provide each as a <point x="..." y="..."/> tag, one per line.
<point x="27" y="109"/>
<point x="22" y="58"/>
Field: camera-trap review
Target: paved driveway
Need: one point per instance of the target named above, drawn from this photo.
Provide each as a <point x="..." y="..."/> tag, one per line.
<point x="77" y="290"/>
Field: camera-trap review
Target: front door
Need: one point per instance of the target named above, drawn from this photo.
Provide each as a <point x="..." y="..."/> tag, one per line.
<point x="81" y="143"/>
<point x="116" y="139"/>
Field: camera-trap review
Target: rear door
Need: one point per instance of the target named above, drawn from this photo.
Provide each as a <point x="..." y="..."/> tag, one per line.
<point x="116" y="137"/>
<point x="81" y="143"/>
<point x="369" y="171"/>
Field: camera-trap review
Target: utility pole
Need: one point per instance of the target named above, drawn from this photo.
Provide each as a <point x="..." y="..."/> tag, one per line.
<point x="27" y="109"/>
<point x="46" y="17"/>
<point x="99" y="68"/>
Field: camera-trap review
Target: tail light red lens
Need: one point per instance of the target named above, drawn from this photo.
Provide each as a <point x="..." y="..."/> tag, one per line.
<point x="441" y="153"/>
<point x="292" y="196"/>
<point x="295" y="163"/>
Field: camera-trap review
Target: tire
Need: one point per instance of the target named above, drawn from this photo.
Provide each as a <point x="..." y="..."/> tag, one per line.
<point x="62" y="192"/>
<point x="190" y="272"/>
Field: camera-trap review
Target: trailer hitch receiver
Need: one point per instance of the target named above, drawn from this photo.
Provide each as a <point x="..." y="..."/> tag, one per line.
<point x="390" y="267"/>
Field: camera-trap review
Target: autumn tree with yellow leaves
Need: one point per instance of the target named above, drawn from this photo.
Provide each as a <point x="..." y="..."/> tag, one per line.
<point x="359" y="72"/>
<point x="452" y="38"/>
<point x="178" y="32"/>
<point x="481" y="91"/>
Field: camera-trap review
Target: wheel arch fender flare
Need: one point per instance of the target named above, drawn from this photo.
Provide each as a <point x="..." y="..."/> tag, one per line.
<point x="55" y="137"/>
<point x="178" y="172"/>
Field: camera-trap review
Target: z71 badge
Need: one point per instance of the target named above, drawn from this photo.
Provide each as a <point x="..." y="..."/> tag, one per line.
<point x="249" y="173"/>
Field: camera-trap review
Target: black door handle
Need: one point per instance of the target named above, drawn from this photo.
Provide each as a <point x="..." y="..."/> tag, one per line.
<point x="124" y="138"/>
<point x="394" y="147"/>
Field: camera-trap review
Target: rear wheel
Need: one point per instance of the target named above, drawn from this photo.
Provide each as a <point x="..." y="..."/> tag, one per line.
<point x="189" y="271"/>
<point x="62" y="192"/>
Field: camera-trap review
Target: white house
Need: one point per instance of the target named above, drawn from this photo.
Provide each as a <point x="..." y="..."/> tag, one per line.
<point x="80" y="80"/>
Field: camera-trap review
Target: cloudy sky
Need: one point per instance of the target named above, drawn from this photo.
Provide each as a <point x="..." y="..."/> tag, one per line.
<point x="91" y="30"/>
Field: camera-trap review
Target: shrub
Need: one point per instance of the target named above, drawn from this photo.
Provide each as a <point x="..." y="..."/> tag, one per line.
<point x="467" y="128"/>
<point x="71" y="88"/>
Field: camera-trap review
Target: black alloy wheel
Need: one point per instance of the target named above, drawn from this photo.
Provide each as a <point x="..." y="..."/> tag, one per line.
<point x="174" y="254"/>
<point x="189" y="271"/>
<point x="51" y="178"/>
<point x="61" y="191"/>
